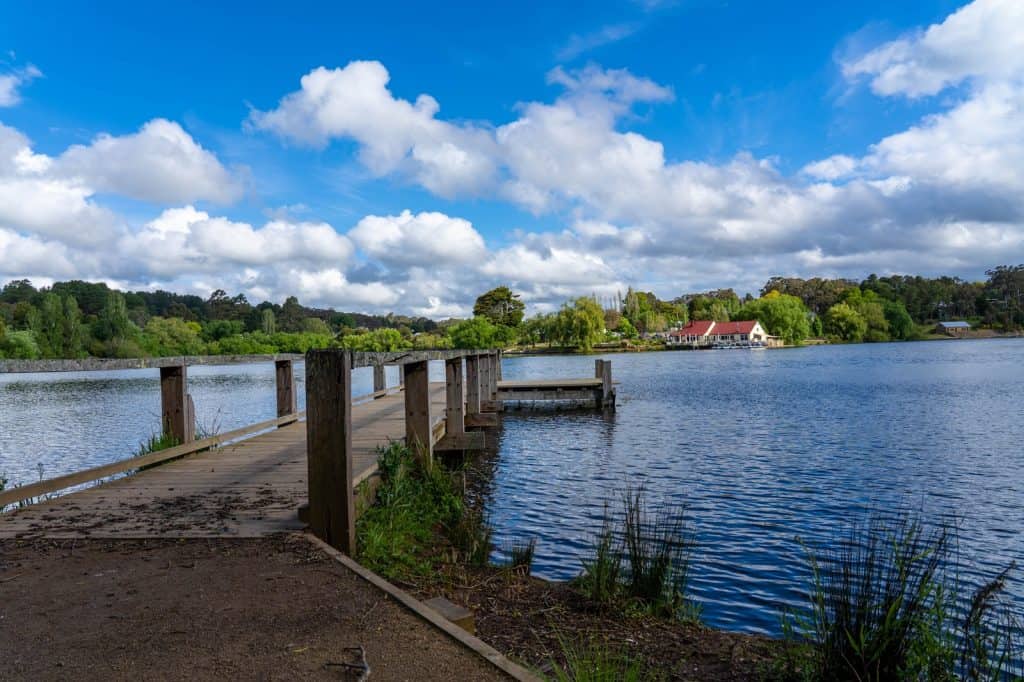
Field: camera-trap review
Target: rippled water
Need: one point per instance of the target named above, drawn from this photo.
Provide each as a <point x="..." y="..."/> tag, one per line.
<point x="760" y="446"/>
<point x="765" y="446"/>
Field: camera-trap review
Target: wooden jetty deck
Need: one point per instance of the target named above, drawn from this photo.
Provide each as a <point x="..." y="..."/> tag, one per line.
<point x="224" y="487"/>
<point x="249" y="488"/>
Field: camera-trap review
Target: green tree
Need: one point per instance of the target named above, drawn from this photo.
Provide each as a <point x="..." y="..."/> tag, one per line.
<point x="172" y="336"/>
<point x="314" y="325"/>
<point x="268" y="321"/>
<point x="21" y="345"/>
<point x="378" y="340"/>
<point x="901" y="326"/>
<point x="292" y="314"/>
<point x="478" y="333"/>
<point x="781" y="315"/>
<point x="627" y="330"/>
<point x="113" y="322"/>
<point x="869" y="305"/>
<point x="50" y="330"/>
<point x="844" y="323"/>
<point x="580" y="324"/>
<point x="17" y="291"/>
<point x="537" y="329"/>
<point x="500" y="306"/>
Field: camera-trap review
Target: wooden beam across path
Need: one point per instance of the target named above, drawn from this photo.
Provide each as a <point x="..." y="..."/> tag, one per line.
<point x="248" y="488"/>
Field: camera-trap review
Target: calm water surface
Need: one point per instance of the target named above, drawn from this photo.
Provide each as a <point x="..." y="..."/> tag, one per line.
<point x="761" y="447"/>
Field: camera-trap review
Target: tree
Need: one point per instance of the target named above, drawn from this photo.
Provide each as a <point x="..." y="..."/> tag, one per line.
<point x="869" y="305"/>
<point x="292" y="314"/>
<point x="580" y="324"/>
<point x="172" y="336"/>
<point x="627" y="330"/>
<point x="901" y="326"/>
<point x="477" y="333"/>
<point x="268" y="322"/>
<point x="378" y="340"/>
<point x="844" y="323"/>
<point x="20" y="345"/>
<point x="500" y="306"/>
<point x="314" y="325"/>
<point x="781" y="315"/>
<point x="17" y="291"/>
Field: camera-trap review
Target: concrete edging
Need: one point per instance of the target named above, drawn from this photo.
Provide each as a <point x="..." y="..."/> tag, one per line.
<point x="486" y="651"/>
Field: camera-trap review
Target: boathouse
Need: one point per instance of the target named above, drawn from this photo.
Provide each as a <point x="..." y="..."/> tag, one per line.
<point x="954" y="328"/>
<point x="704" y="333"/>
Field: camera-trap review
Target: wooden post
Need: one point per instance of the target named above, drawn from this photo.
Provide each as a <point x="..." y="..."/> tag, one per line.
<point x="329" y="448"/>
<point x="603" y="371"/>
<point x="174" y="402"/>
<point x="285" y="372"/>
<point x="418" y="429"/>
<point x="455" y="417"/>
<point x="472" y="385"/>
<point x="493" y="373"/>
<point x="380" y="382"/>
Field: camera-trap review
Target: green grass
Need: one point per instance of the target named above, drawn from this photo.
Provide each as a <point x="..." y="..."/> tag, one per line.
<point x="398" y="536"/>
<point x="886" y="604"/>
<point x="155" y="443"/>
<point x="520" y="555"/>
<point x="595" y="661"/>
<point x="641" y="560"/>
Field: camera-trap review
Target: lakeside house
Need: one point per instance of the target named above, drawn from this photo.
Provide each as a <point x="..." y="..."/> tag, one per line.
<point x="707" y="333"/>
<point x="954" y="328"/>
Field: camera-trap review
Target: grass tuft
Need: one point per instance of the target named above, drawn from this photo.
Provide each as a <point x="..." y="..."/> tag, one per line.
<point x="520" y="555"/>
<point x="595" y="661"/>
<point x="642" y="559"/>
<point x="883" y="606"/>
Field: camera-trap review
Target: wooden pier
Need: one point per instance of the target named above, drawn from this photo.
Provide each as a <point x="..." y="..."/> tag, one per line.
<point x="252" y="482"/>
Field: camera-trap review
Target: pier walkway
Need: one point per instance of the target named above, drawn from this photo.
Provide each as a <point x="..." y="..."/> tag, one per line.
<point x="250" y="488"/>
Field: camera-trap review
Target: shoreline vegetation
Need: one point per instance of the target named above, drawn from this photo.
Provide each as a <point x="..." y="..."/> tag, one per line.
<point x="885" y="601"/>
<point x="78" y="319"/>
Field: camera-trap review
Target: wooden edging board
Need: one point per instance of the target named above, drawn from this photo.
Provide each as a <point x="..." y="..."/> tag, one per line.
<point x="481" y="648"/>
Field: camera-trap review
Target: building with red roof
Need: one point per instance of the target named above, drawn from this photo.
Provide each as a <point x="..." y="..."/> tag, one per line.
<point x="700" y="333"/>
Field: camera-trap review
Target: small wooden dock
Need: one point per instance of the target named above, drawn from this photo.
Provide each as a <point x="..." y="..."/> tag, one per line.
<point x="252" y="482"/>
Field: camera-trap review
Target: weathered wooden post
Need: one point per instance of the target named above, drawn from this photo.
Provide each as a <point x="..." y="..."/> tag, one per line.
<point x="285" y="374"/>
<point x="418" y="434"/>
<point x="603" y="371"/>
<point x="380" y="382"/>
<point x="472" y="385"/>
<point x="329" y="447"/>
<point x="174" y="407"/>
<point x="454" y="416"/>
<point x="495" y="378"/>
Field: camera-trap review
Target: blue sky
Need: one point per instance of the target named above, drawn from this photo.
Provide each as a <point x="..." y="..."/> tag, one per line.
<point x="669" y="146"/>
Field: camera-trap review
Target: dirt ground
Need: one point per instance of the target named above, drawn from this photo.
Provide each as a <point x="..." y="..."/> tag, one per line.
<point x="274" y="608"/>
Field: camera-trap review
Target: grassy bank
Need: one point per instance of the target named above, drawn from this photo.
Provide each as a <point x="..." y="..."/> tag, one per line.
<point x="885" y="601"/>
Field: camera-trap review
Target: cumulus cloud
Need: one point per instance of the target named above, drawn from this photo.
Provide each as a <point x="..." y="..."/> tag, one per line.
<point x="161" y="163"/>
<point x="394" y="134"/>
<point x="425" y="239"/>
<point x="11" y="83"/>
<point x="984" y="39"/>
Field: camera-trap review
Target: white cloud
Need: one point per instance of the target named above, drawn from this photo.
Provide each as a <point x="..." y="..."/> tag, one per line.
<point x="832" y="168"/>
<point x="984" y="39"/>
<point x="161" y="163"/>
<point x="425" y="239"/>
<point x="606" y="35"/>
<point x="10" y="84"/>
<point x="394" y="134"/>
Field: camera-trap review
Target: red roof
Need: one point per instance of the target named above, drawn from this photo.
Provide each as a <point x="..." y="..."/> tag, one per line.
<point x="742" y="327"/>
<point x="705" y="327"/>
<point x="695" y="328"/>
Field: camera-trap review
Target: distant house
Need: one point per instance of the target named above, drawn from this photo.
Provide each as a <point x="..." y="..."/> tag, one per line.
<point x="957" y="328"/>
<point x="701" y="333"/>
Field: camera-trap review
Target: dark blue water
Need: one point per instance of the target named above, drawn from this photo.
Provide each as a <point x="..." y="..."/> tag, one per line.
<point x="764" y="446"/>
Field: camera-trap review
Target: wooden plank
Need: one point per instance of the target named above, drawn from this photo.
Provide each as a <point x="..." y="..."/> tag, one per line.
<point x="454" y="412"/>
<point x="549" y="383"/>
<point x="284" y="373"/>
<point x="418" y="424"/>
<point x="481" y="420"/>
<point x="53" y="485"/>
<point x="329" y="448"/>
<point x="173" y="405"/>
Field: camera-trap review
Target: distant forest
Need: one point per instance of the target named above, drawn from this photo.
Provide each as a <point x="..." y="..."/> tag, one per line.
<point x="78" y="319"/>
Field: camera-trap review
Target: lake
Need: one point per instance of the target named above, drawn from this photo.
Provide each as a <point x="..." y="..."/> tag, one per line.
<point x="760" y="447"/>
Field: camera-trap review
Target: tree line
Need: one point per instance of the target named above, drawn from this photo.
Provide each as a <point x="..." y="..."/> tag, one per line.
<point x="77" y="319"/>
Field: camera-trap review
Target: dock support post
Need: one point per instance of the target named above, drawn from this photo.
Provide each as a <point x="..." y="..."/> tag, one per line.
<point x="329" y="448"/>
<point x="418" y="432"/>
<point x="603" y="371"/>
<point x="285" y="373"/>
<point x="174" y="404"/>
<point x="455" y="417"/>
<point x="472" y="385"/>
<point x="380" y="382"/>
